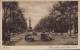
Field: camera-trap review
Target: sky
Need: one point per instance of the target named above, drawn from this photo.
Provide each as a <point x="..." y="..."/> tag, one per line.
<point x="35" y="10"/>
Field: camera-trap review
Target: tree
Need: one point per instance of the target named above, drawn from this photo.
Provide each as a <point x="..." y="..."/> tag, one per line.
<point x="13" y="20"/>
<point x="63" y="17"/>
<point x="69" y="14"/>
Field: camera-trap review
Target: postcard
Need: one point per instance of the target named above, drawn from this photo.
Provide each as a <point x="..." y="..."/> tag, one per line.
<point x="35" y="24"/>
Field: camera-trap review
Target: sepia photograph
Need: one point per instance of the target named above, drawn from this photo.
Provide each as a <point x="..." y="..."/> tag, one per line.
<point x="39" y="23"/>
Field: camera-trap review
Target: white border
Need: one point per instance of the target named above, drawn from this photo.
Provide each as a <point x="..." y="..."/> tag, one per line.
<point x="39" y="47"/>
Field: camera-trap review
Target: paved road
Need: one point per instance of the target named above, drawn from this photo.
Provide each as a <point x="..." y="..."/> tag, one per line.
<point x="59" y="40"/>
